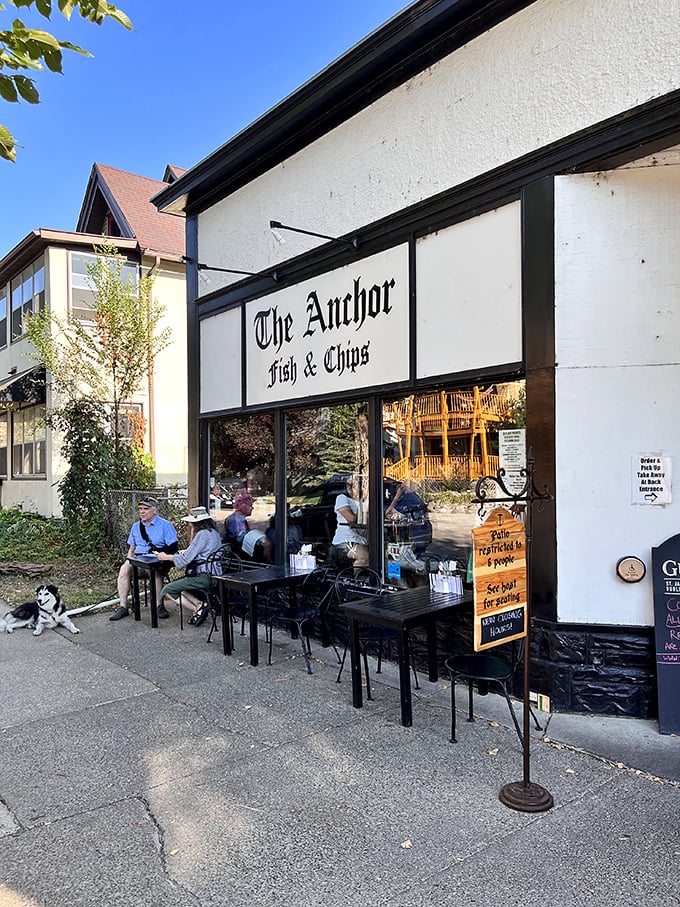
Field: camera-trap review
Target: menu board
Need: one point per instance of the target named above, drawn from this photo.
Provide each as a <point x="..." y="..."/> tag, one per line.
<point x="666" y="587"/>
<point x="500" y="580"/>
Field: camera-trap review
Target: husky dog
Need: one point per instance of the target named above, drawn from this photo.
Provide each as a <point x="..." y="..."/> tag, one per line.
<point x="46" y="611"/>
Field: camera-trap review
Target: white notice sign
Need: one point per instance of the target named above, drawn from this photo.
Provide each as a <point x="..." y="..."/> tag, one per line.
<point x="512" y="457"/>
<point x="650" y="479"/>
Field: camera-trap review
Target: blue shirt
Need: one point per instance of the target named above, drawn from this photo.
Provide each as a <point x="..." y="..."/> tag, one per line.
<point x="161" y="532"/>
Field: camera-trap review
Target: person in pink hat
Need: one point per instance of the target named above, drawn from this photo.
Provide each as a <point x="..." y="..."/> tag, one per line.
<point x="251" y="543"/>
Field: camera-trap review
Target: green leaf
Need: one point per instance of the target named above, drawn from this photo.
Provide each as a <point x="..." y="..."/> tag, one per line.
<point x="27" y="89"/>
<point x="66" y="45"/>
<point x="41" y="38"/>
<point x="53" y="60"/>
<point x="7" y="149"/>
<point x="66" y="8"/>
<point x="8" y="91"/>
<point x="44" y="7"/>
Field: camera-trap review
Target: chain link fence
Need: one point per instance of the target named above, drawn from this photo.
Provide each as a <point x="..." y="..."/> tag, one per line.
<point x="122" y="512"/>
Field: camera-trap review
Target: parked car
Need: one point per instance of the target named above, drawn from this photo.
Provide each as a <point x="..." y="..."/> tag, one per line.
<point x="317" y="521"/>
<point x="222" y="493"/>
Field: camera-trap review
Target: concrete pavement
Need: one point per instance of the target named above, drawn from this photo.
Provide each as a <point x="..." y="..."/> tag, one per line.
<point x="143" y="767"/>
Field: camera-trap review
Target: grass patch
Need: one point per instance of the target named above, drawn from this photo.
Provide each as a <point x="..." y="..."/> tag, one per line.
<point x="83" y="577"/>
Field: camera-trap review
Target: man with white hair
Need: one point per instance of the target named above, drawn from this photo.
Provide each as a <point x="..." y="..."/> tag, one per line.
<point x="150" y="534"/>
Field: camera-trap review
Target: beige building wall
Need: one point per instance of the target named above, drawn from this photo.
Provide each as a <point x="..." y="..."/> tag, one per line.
<point x="163" y="397"/>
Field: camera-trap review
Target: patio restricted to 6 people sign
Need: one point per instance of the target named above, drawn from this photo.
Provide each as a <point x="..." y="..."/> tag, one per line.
<point x="500" y="580"/>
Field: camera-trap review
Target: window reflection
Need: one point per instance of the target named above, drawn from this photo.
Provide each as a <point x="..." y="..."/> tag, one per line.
<point x="242" y="484"/>
<point x="435" y="447"/>
<point x="328" y="470"/>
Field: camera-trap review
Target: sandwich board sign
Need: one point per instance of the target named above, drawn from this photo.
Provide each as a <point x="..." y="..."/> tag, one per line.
<point x="666" y="589"/>
<point x="500" y="580"/>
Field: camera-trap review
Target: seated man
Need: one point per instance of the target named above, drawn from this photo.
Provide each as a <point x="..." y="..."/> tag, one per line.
<point x="251" y="543"/>
<point x="151" y="533"/>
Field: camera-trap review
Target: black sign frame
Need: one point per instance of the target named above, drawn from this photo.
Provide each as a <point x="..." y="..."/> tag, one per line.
<point x="666" y="589"/>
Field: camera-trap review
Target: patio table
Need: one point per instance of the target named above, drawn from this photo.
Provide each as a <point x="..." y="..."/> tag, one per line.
<point x="401" y="611"/>
<point x="251" y="581"/>
<point x="151" y="563"/>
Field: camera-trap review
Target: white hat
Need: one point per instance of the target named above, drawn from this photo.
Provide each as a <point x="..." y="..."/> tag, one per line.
<point x="196" y="515"/>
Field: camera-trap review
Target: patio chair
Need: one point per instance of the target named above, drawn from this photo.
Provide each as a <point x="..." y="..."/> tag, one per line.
<point x="486" y="669"/>
<point x="228" y="563"/>
<point x="311" y="604"/>
<point x="356" y="582"/>
<point x="221" y="561"/>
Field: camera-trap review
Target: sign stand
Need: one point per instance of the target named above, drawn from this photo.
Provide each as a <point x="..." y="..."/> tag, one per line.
<point x="524" y="795"/>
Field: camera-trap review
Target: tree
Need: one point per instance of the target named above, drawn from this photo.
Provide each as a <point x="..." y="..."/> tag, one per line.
<point x="25" y="49"/>
<point x="94" y="368"/>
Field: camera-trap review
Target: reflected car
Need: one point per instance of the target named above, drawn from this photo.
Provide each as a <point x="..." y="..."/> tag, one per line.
<point x="222" y="493"/>
<point x="317" y="521"/>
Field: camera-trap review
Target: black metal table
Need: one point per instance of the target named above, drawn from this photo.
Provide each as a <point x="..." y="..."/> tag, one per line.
<point x="401" y="611"/>
<point x="251" y="581"/>
<point x="151" y="563"/>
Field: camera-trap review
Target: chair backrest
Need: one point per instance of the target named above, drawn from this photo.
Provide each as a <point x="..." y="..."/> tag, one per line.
<point x="318" y="589"/>
<point x="223" y="561"/>
<point x="353" y="582"/>
<point x="231" y="562"/>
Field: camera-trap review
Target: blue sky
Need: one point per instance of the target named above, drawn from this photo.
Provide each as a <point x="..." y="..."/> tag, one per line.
<point x="191" y="75"/>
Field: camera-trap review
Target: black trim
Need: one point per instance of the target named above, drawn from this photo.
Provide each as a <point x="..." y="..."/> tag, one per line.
<point x="280" y="488"/>
<point x="505" y="372"/>
<point x="538" y="308"/>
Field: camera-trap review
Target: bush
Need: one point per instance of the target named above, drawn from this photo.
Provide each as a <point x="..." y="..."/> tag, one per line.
<point x="32" y="538"/>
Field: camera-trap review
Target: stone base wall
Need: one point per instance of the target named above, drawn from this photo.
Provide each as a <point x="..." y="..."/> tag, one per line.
<point x="603" y="670"/>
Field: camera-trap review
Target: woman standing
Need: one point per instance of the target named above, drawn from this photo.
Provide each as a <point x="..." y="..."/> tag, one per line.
<point x="353" y="545"/>
<point x="205" y="541"/>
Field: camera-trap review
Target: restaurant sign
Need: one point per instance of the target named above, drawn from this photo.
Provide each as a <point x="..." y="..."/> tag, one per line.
<point x="339" y="331"/>
<point x="500" y="580"/>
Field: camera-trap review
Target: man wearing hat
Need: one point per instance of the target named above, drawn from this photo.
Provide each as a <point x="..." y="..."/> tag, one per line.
<point x="253" y="543"/>
<point x="150" y="534"/>
<point x="205" y="541"/>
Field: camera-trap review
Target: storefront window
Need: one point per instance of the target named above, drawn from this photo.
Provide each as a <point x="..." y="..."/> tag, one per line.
<point x="242" y="484"/>
<point x="435" y="447"/>
<point x="327" y="457"/>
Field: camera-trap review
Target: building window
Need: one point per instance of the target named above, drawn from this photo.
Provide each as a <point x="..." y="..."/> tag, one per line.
<point x="28" y="297"/>
<point x="131" y="423"/>
<point x="3" y="317"/>
<point x="3" y="444"/>
<point x="28" y="441"/>
<point x="82" y="293"/>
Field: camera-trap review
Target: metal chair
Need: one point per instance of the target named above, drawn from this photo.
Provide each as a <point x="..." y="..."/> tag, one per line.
<point x="228" y="563"/>
<point x="355" y="582"/>
<point x="485" y="669"/>
<point x="311" y="603"/>
<point x="221" y="561"/>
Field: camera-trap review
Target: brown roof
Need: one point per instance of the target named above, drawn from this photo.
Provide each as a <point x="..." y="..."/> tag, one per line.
<point x="127" y="196"/>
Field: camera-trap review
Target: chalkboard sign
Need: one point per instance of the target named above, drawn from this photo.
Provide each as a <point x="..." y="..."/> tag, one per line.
<point x="503" y="626"/>
<point x="666" y="585"/>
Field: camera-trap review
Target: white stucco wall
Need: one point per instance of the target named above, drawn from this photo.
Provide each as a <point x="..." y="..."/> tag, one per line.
<point x="554" y="68"/>
<point x="618" y="353"/>
<point x="170" y="380"/>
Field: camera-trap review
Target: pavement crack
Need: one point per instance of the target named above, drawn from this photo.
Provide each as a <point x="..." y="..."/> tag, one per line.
<point x="13" y="818"/>
<point x="162" y="853"/>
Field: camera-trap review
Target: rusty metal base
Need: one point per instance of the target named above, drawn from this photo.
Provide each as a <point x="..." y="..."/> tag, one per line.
<point x="526" y="798"/>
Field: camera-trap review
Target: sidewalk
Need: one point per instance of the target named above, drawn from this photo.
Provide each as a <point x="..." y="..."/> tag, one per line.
<point x="143" y="767"/>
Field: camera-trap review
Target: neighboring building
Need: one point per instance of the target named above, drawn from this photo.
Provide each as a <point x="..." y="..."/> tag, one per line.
<point x="49" y="268"/>
<point x="511" y="173"/>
